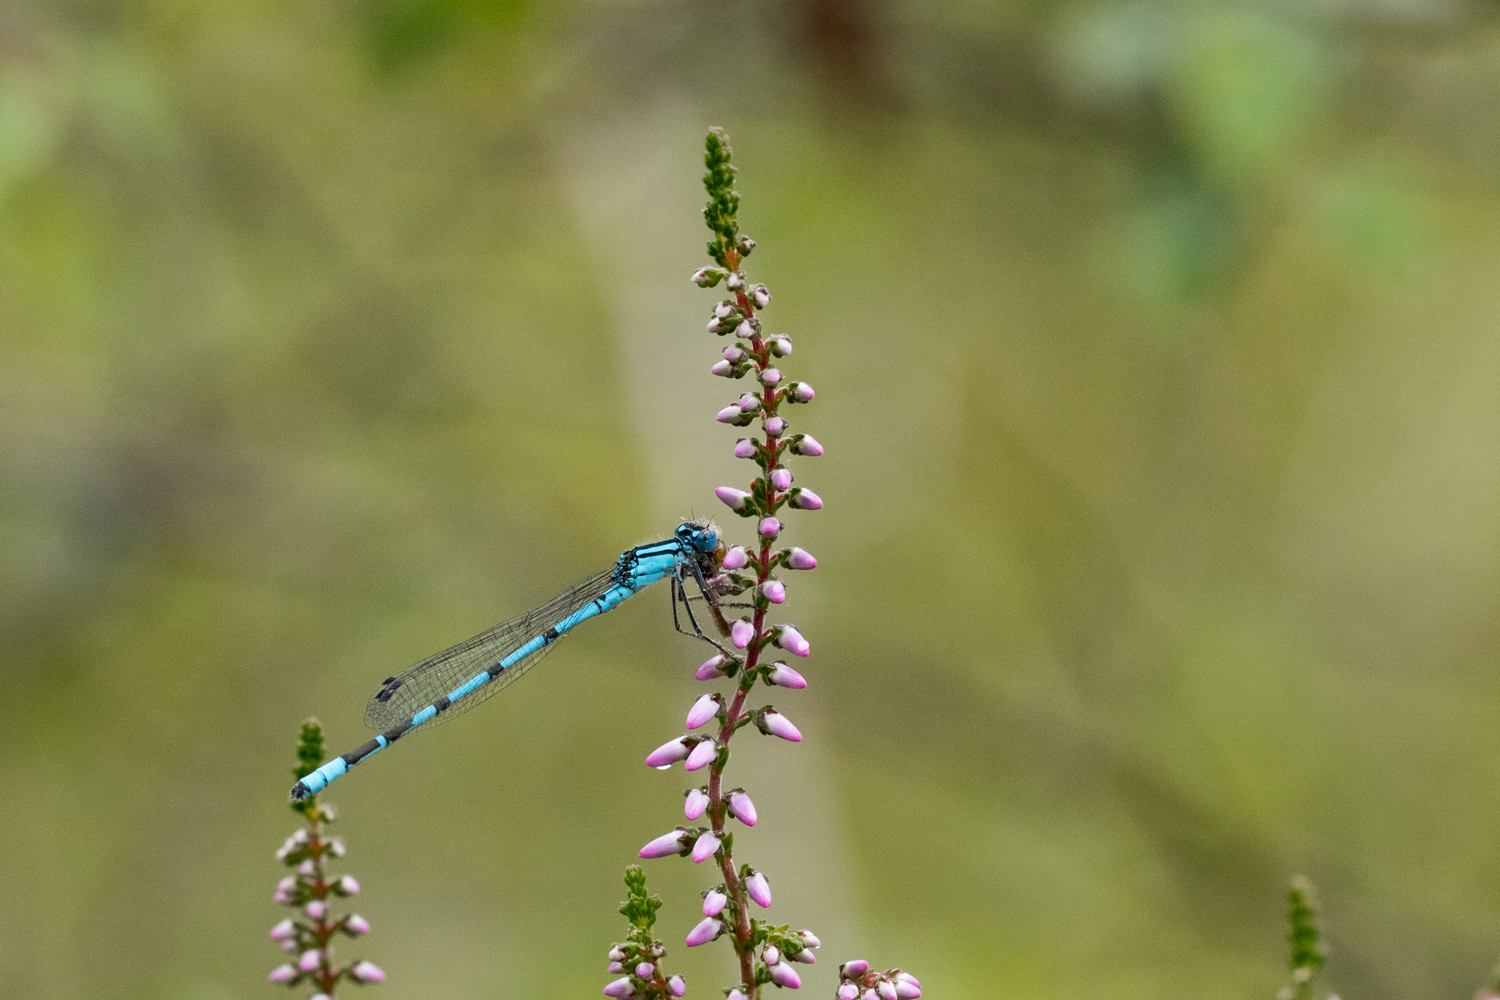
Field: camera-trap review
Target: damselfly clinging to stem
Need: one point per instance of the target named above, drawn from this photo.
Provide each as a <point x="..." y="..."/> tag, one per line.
<point x="455" y="680"/>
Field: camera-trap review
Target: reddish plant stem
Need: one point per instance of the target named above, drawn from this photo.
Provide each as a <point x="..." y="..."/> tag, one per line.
<point x="743" y="940"/>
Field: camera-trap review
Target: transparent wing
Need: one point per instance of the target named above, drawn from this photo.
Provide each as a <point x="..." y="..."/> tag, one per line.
<point x="401" y="697"/>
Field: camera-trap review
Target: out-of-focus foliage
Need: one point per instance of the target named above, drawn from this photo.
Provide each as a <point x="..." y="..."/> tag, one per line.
<point x="1156" y="356"/>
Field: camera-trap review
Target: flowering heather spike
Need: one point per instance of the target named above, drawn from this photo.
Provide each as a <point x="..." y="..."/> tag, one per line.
<point x="742" y="807"/>
<point x="676" y="987"/>
<point x="743" y="448"/>
<point x="779" y="725"/>
<point x="759" y="889"/>
<point x="775" y="591"/>
<point x="705" y="847"/>
<point x="283" y="974"/>
<point x="708" y="929"/>
<point x="741" y="633"/>
<point x="367" y="972"/>
<point x="668" y="753"/>
<point x="619" y="988"/>
<point x="664" y="846"/>
<point x="783" y="974"/>
<point x="736" y="558"/>
<point x="800" y="558"/>
<point x="806" y="444"/>
<point x="734" y="499"/>
<point x="712" y="668"/>
<point x="713" y="903"/>
<point x="703" y="754"/>
<point x="789" y="639"/>
<point x="804" y="499"/>
<point x="705" y="708"/>
<point x="781" y="478"/>
<point x="769" y="527"/>
<point x="784" y="676"/>
<point x="775" y="425"/>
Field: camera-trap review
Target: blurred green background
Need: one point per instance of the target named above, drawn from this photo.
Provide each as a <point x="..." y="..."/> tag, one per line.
<point x="1156" y="356"/>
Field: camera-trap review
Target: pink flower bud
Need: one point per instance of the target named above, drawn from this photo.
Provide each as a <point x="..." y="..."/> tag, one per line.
<point x="740" y="633"/>
<point x="742" y="807"/>
<point x="907" y="977"/>
<point x="744" y="448"/>
<point x="736" y="558"/>
<point x="664" y="846"/>
<point x="799" y="392"/>
<point x="886" y="989"/>
<point x="705" y="708"/>
<point x="784" y="975"/>
<point x="367" y="972"/>
<point x="283" y="930"/>
<point x="770" y="376"/>
<point x="697" y="802"/>
<point x="728" y="415"/>
<point x="289" y="944"/>
<point x="356" y="924"/>
<point x="735" y="995"/>
<point x="784" y="676"/>
<point x="316" y="908"/>
<point x="775" y="425"/>
<point x="708" y="928"/>
<point x="800" y="558"/>
<point x="619" y="988"/>
<point x="775" y="591"/>
<point x="714" y="903"/>
<point x="707" y="277"/>
<point x="723" y="369"/>
<point x="806" y="957"/>
<point x="809" y="938"/>
<point x="848" y="991"/>
<point x="645" y="971"/>
<point x="668" y="753"/>
<point x="307" y="868"/>
<point x="806" y="444"/>
<point x="704" y="848"/>
<point x="614" y="968"/>
<point x="736" y="281"/>
<point x="287" y="885"/>
<point x="749" y="403"/>
<point x="703" y="755"/>
<point x="771" y="954"/>
<point x="804" y="499"/>
<point x="712" y="668"/>
<point x="769" y="527"/>
<point x="724" y="310"/>
<point x="781" y="478"/>
<point x="310" y="960"/>
<point x="617" y="954"/>
<point x="906" y="991"/>
<point x="855" y="969"/>
<point x="779" y="725"/>
<point x="789" y="639"/>
<point x="282" y="974"/>
<point x="745" y="329"/>
<point x="781" y="345"/>
<point x="676" y="987"/>
<point x="714" y="326"/>
<point x="761" y="296"/>
<point x="347" y="885"/>
<point x="758" y="888"/>
<point x="734" y="353"/>
<point x="869" y="994"/>
<point x="336" y="847"/>
<point x="733" y="499"/>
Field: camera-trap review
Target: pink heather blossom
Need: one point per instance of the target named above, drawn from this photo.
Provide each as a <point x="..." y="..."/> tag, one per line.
<point x="806" y="957"/>
<point x="806" y="444"/>
<point x="742" y="807"/>
<point x="703" y="755"/>
<point x="734" y="353"/>
<point x="708" y="929"/>
<point x="310" y="960"/>
<point x="316" y="908"/>
<point x="615" y="968"/>
<point x="307" y="868"/>
<point x="907" y="977"/>
<point x="664" y="846"/>
<point x="736" y="558"/>
<point x="775" y="425"/>
<point x="758" y="888"/>
<point x="800" y="392"/>
<point x="804" y="499"/>
<point x="728" y="415"/>
<point x="723" y="310"/>
<point x="781" y="478"/>
<point x="760" y="296"/>
<point x="855" y="969"/>
<point x="336" y="847"/>
<point x="741" y="633"/>
<point x="287" y="885"/>
<point x="282" y="974"/>
<point x="619" y="988"/>
<point x="721" y="368"/>
<point x="906" y="991"/>
<point x="676" y="987"/>
<point x="283" y="930"/>
<point x="779" y="725"/>
<point x="781" y="345"/>
<point x="736" y="280"/>
<point x="714" y="326"/>
<point x="356" y="924"/>
<point x="706" y="277"/>
<point x="769" y="527"/>
<point x="744" y="329"/>
<point x="714" y="902"/>
<point x="784" y="676"/>
<point x="734" y="499"/>
<point x="735" y="995"/>
<point x="749" y="403"/>
<point x="744" y="448"/>
<point x="706" y="847"/>
<point x="703" y="709"/>
<point x="697" y="802"/>
<point x="869" y="994"/>
<point x="809" y="938"/>
<point x="800" y="558"/>
<point x="668" y="753"/>
<point x="784" y="975"/>
<point x="848" y="991"/>
<point x="711" y="668"/>
<point x="775" y="591"/>
<point x="789" y="639"/>
<point x="645" y="971"/>
<point x="289" y="944"/>
<point x="887" y="989"/>
<point x="770" y="376"/>
<point x="367" y="972"/>
<point x="771" y="954"/>
<point x="347" y="885"/>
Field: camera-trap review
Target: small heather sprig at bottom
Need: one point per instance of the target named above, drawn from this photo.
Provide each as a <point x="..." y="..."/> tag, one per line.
<point x="1306" y="954"/>
<point x="309" y="889"/>
<point x="639" y="956"/>
<point x="858" y="982"/>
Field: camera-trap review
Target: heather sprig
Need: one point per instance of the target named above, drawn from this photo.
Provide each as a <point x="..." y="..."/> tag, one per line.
<point x="639" y="956"/>
<point x="857" y="981"/>
<point x="1306" y="953"/>
<point x="309" y="889"/>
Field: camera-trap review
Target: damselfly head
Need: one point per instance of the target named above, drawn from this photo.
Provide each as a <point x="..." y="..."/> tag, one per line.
<point x="701" y="535"/>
